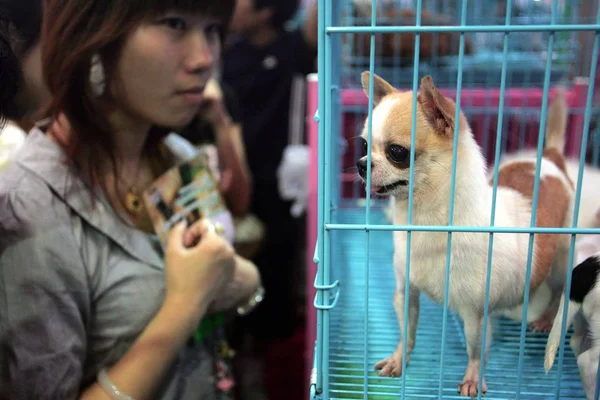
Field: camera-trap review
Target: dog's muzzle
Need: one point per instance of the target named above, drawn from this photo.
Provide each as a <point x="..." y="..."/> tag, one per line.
<point x="362" y="167"/>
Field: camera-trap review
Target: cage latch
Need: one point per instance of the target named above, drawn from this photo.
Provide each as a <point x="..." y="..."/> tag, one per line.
<point x="334" y="285"/>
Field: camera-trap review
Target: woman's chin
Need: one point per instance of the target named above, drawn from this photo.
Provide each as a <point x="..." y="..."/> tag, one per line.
<point x="175" y="121"/>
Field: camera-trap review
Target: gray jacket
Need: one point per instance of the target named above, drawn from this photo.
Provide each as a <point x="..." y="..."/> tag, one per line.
<point x="77" y="286"/>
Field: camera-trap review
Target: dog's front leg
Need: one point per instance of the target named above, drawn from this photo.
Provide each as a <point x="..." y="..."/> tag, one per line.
<point x="473" y="335"/>
<point x="392" y="366"/>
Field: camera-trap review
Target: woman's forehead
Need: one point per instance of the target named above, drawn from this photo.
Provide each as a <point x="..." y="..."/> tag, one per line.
<point x="221" y="9"/>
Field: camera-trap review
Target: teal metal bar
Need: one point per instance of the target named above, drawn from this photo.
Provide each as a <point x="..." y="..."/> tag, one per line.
<point x="413" y="140"/>
<point x="459" y="78"/>
<point x="535" y="200"/>
<point x="596" y="144"/>
<point x="597" y="390"/>
<point x="370" y="111"/>
<point x="368" y="207"/>
<point x="335" y="67"/>
<point x="313" y="377"/>
<point x="350" y="43"/>
<point x="488" y="277"/>
<point x="456" y="228"/>
<point x="322" y="233"/>
<point x="465" y="29"/>
<point x="584" y="142"/>
<point x="329" y="166"/>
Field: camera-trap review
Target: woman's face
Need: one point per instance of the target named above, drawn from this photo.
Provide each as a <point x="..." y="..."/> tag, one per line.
<point x="164" y="68"/>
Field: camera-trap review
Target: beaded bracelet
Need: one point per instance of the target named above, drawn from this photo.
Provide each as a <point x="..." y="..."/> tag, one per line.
<point x="110" y="388"/>
<point x="252" y="302"/>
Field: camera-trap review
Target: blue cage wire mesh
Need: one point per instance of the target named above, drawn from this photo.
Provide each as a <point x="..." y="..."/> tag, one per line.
<point x="492" y="47"/>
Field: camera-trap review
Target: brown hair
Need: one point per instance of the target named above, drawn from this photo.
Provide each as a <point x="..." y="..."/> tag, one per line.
<point x="72" y="32"/>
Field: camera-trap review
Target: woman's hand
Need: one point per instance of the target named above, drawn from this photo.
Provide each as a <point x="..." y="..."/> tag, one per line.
<point x="199" y="264"/>
<point x="195" y="276"/>
<point x="243" y="283"/>
<point x="213" y="108"/>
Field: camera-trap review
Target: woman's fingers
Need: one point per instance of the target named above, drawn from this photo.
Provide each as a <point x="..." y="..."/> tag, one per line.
<point x="176" y="236"/>
<point x="194" y="233"/>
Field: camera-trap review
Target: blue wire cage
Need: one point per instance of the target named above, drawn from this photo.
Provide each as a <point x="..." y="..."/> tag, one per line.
<point x="501" y="62"/>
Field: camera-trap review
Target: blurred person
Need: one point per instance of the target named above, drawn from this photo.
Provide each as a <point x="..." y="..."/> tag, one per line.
<point x="217" y="130"/>
<point x="260" y="64"/>
<point x="9" y="69"/>
<point x="23" y="21"/>
<point x="92" y="307"/>
<point x="264" y="59"/>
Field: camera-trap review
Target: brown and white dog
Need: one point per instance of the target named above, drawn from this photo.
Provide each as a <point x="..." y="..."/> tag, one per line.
<point x="391" y="141"/>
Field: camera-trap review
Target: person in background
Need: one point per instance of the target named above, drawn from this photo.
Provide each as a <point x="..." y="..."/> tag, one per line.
<point x="92" y="306"/>
<point x="9" y="69"/>
<point x="217" y="131"/>
<point x="217" y="128"/>
<point x="264" y="57"/>
<point x="23" y="19"/>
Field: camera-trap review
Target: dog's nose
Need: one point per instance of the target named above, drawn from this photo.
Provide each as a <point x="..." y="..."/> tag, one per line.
<point x="362" y="167"/>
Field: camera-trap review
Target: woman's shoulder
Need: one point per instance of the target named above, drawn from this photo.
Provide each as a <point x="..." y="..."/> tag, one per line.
<point x="26" y="202"/>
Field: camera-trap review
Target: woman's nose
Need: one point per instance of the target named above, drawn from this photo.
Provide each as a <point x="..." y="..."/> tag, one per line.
<point x="200" y="54"/>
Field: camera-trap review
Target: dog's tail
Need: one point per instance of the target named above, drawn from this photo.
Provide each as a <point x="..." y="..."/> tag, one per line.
<point x="556" y="122"/>
<point x="554" y="339"/>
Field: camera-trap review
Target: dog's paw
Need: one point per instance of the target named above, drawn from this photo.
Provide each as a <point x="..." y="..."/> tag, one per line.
<point x="468" y="388"/>
<point x="391" y="366"/>
<point x="543" y="325"/>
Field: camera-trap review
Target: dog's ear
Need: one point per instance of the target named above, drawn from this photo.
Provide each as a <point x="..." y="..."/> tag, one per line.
<point x="381" y="87"/>
<point x="439" y="110"/>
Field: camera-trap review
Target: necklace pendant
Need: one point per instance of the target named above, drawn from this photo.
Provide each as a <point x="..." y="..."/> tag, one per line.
<point x="133" y="202"/>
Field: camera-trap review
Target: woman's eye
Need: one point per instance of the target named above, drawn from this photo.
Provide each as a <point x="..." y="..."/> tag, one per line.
<point x="175" y="23"/>
<point x="398" y="154"/>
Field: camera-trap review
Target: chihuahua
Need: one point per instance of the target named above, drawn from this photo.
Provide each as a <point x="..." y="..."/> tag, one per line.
<point x="584" y="313"/>
<point x="390" y="174"/>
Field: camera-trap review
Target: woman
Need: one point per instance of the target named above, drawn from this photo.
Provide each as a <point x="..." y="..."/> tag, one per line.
<point x="91" y="306"/>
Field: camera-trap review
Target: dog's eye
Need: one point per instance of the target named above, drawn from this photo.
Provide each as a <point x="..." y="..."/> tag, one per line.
<point x="398" y="154"/>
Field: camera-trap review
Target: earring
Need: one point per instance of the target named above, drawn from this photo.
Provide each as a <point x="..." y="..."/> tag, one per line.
<point x="97" y="75"/>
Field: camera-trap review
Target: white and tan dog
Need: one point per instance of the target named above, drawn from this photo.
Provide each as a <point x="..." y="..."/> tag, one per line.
<point x="391" y="141"/>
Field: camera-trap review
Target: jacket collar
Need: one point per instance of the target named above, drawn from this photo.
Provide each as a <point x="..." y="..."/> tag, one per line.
<point x="46" y="159"/>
